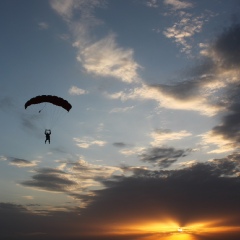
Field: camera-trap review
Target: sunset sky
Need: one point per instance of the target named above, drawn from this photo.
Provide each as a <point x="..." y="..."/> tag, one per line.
<point x="150" y="148"/>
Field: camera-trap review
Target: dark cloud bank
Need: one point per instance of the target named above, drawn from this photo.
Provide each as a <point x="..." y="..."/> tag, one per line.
<point x="204" y="191"/>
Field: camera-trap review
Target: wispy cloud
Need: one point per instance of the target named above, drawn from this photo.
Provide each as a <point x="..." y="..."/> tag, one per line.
<point x="177" y="4"/>
<point x="105" y="58"/>
<point x="152" y="3"/>
<point x="102" y="57"/>
<point x="131" y="151"/>
<point x="43" y="25"/>
<point x="161" y="136"/>
<point x="87" y="142"/>
<point x="120" y="110"/>
<point x="22" y="162"/>
<point x="3" y="158"/>
<point x="183" y="30"/>
<point x="177" y="96"/>
<point x="77" y="91"/>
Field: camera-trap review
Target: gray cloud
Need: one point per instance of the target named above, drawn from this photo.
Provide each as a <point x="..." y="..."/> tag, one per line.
<point x="22" y="162"/>
<point x="190" y="194"/>
<point x="50" y="180"/>
<point x="163" y="156"/>
<point x="230" y="126"/>
<point x="227" y="47"/>
<point x="120" y="144"/>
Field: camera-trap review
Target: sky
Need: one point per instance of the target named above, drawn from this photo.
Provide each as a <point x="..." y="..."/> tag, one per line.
<point x="150" y="147"/>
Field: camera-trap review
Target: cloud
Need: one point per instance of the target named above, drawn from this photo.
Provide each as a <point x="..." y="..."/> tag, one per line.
<point x="215" y="139"/>
<point x="132" y="151"/>
<point x="226" y="134"/>
<point x="120" y="144"/>
<point x="22" y="162"/>
<point x="50" y="180"/>
<point x="162" y="135"/>
<point x="187" y="95"/>
<point x="186" y="196"/>
<point x="203" y="194"/>
<point x="62" y="7"/>
<point x="3" y="158"/>
<point x="76" y="179"/>
<point x="225" y="62"/>
<point x="210" y="88"/>
<point x="117" y="110"/>
<point x="92" y="171"/>
<point x="101" y="57"/>
<point x="76" y="91"/>
<point x="177" y="4"/>
<point x="162" y="157"/>
<point x="183" y="30"/>
<point x="105" y="58"/>
<point x="152" y="3"/>
<point x="66" y="9"/>
<point x="87" y="142"/>
<point x="227" y="47"/>
<point x="43" y="25"/>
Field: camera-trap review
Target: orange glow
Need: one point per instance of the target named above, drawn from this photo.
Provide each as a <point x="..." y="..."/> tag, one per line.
<point x="171" y="230"/>
<point x="163" y="227"/>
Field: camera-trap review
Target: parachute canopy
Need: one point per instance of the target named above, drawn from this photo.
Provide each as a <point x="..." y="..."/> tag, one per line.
<point x="49" y="99"/>
<point x="45" y="111"/>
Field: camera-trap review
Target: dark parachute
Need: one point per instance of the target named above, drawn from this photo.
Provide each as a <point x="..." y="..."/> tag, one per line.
<point x="49" y="99"/>
<point x="47" y="110"/>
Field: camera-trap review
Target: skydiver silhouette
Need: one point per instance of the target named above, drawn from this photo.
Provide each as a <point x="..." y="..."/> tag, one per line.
<point x="47" y="133"/>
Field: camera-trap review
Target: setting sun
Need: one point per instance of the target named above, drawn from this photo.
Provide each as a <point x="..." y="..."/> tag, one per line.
<point x="171" y="230"/>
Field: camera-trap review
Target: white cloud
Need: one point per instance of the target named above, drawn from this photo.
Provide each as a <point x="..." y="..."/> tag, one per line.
<point x="66" y="8"/>
<point x="76" y="91"/>
<point x="132" y="151"/>
<point x="87" y="142"/>
<point x="101" y="57"/>
<point x="105" y="58"/>
<point x="184" y="29"/>
<point x="197" y="103"/>
<point x="63" y="7"/>
<point x="160" y="136"/>
<point x="218" y="142"/>
<point x="177" y="4"/>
